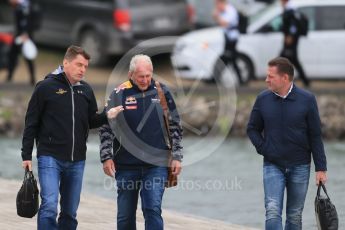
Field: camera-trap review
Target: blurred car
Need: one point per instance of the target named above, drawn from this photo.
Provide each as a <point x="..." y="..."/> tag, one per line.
<point x="322" y="51"/>
<point x="110" y="27"/>
<point x="204" y="8"/>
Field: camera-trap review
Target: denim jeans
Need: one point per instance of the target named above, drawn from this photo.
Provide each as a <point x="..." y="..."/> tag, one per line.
<point x="150" y="183"/>
<point x="59" y="176"/>
<point x="295" y="179"/>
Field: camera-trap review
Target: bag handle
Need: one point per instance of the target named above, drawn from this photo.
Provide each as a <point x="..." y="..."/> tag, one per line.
<point x="324" y="189"/>
<point x="28" y="174"/>
<point x="164" y="105"/>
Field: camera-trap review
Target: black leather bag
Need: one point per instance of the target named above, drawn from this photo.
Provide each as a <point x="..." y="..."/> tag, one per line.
<point x="27" y="196"/>
<point x="325" y="212"/>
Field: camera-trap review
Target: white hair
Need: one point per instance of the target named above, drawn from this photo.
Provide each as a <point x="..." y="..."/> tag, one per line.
<point x="136" y="58"/>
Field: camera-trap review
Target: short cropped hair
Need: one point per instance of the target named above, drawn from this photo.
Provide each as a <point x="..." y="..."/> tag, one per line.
<point x="73" y="51"/>
<point x="284" y="66"/>
<point x="136" y="58"/>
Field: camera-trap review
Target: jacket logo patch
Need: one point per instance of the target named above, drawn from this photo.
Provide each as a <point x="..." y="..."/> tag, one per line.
<point x="61" y="91"/>
<point x="155" y="100"/>
<point x="129" y="107"/>
<point x="130" y="100"/>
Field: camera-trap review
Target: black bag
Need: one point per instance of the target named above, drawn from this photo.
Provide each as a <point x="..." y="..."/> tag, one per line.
<point x="242" y="22"/>
<point x="325" y="212"/>
<point x="27" y="197"/>
<point x="302" y="23"/>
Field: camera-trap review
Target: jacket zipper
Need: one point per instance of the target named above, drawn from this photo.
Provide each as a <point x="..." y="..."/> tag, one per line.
<point x="73" y="119"/>
<point x="144" y="101"/>
<point x="73" y="122"/>
<point x="144" y="109"/>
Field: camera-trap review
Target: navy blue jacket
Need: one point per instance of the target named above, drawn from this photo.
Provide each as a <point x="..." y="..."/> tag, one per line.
<point x="287" y="131"/>
<point x="136" y="136"/>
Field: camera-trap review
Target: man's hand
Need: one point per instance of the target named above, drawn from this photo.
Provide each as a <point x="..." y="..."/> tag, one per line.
<point x="27" y="164"/>
<point x="113" y="112"/>
<point x="321" y="176"/>
<point x="176" y="167"/>
<point x="109" y="168"/>
<point x="288" y="40"/>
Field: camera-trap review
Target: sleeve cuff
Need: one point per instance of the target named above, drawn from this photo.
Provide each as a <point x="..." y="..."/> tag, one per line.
<point x="320" y="169"/>
<point x="105" y="158"/>
<point x="177" y="156"/>
<point x="26" y="157"/>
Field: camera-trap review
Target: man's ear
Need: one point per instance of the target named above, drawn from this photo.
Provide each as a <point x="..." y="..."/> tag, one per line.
<point x="64" y="62"/>
<point x="130" y="75"/>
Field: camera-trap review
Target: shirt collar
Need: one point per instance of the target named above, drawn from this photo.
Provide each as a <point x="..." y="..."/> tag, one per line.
<point x="285" y="96"/>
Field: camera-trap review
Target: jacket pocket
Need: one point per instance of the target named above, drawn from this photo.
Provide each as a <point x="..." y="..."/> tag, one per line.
<point x="268" y="149"/>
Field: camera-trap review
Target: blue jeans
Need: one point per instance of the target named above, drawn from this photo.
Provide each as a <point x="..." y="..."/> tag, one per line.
<point x="150" y="182"/>
<point x="59" y="176"/>
<point x="295" y="179"/>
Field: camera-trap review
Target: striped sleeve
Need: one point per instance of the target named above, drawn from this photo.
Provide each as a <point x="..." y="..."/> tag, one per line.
<point x="175" y="127"/>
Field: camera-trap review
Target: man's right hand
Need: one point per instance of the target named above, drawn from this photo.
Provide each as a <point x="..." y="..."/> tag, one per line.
<point x="109" y="167"/>
<point x="27" y="164"/>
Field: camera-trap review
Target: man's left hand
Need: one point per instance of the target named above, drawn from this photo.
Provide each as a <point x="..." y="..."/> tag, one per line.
<point x="113" y="112"/>
<point x="321" y="176"/>
<point x="176" y="167"/>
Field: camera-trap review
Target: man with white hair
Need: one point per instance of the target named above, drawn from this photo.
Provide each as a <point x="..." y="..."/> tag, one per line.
<point x="134" y="146"/>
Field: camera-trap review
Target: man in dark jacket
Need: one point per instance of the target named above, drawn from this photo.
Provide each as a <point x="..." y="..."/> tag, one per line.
<point x="291" y="38"/>
<point x="61" y="111"/>
<point x="23" y="32"/>
<point x="134" y="147"/>
<point x="285" y="129"/>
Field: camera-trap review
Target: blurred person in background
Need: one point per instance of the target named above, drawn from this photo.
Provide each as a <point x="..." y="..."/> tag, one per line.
<point x="23" y="31"/>
<point x="227" y="17"/>
<point x="291" y="38"/>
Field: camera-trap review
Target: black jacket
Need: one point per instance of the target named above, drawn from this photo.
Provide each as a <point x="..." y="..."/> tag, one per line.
<point x="59" y="120"/>
<point x="22" y="18"/>
<point x="290" y="28"/>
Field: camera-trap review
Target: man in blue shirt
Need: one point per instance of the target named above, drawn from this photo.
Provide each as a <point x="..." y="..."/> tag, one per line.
<point x="285" y="128"/>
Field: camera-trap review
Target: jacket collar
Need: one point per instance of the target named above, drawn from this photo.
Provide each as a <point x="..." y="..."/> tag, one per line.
<point x="291" y="95"/>
<point x="151" y="86"/>
<point x="60" y="75"/>
<point x="285" y="96"/>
